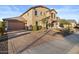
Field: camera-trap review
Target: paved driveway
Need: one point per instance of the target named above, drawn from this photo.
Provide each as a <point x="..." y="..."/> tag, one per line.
<point x="57" y="45"/>
<point x="44" y="42"/>
<point x="20" y="43"/>
<point x="15" y="34"/>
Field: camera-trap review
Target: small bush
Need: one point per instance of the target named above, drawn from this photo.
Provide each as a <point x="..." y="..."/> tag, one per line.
<point x="67" y="32"/>
<point x="2" y="31"/>
<point x="34" y="28"/>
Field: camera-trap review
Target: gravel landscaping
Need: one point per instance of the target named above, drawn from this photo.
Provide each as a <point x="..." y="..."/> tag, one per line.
<point x="4" y="47"/>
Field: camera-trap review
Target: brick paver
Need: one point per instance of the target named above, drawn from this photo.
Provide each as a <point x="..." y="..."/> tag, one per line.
<point x="44" y="42"/>
<point x="16" y="45"/>
<point x="57" y="45"/>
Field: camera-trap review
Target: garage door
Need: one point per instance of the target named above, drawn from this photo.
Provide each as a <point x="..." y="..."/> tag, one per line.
<point x="15" y="25"/>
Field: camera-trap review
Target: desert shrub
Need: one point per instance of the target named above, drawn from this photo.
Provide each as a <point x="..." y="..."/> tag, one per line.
<point x="67" y="31"/>
<point x="1" y="31"/>
<point x="2" y="28"/>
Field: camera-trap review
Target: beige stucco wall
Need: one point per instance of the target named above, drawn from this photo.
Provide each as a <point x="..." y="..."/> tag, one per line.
<point x="42" y="13"/>
<point x="73" y="24"/>
<point x="28" y="17"/>
<point x="32" y="18"/>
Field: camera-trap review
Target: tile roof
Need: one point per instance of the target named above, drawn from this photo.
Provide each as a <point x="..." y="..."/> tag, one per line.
<point x="16" y="18"/>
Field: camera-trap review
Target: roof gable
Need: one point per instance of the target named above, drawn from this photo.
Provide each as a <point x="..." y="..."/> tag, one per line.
<point x="34" y="8"/>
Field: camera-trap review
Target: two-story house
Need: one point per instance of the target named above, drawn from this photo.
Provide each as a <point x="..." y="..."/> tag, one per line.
<point x="32" y="19"/>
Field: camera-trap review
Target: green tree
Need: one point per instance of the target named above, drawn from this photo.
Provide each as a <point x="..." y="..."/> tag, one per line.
<point x="0" y="24"/>
<point x="2" y="28"/>
<point x="64" y="22"/>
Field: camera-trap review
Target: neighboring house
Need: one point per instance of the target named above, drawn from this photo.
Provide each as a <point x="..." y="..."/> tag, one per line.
<point x="69" y="23"/>
<point x="73" y="22"/>
<point x="77" y="25"/>
<point x="32" y="19"/>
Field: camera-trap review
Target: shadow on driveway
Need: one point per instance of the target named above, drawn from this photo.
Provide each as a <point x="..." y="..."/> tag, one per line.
<point x="74" y="38"/>
<point x="14" y="35"/>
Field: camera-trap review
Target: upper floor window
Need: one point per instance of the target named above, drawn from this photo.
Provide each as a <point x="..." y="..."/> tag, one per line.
<point x="35" y="12"/>
<point x="40" y="13"/>
<point x="53" y="16"/>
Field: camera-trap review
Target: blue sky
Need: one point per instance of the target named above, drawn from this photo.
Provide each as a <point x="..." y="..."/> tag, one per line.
<point x="64" y="11"/>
